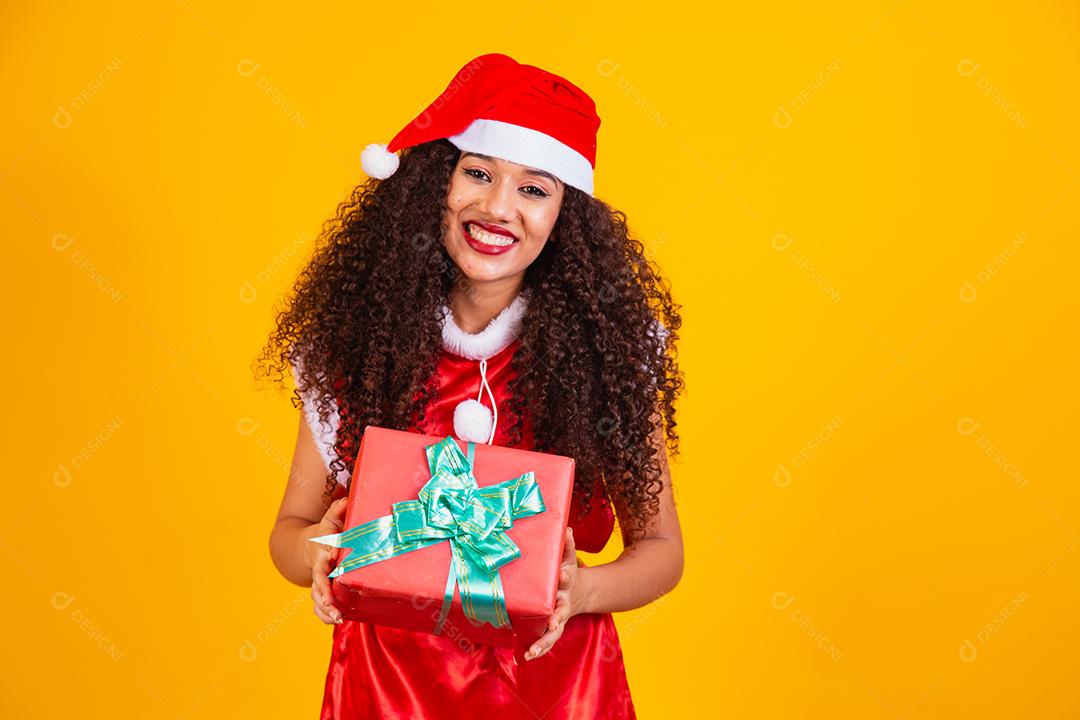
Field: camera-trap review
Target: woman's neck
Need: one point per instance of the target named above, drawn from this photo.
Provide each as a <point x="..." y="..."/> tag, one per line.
<point x="477" y="305"/>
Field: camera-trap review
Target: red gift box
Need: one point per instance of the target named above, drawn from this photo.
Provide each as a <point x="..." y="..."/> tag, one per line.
<point x="406" y="591"/>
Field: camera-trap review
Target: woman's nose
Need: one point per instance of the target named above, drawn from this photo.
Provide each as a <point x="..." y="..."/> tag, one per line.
<point x="498" y="201"/>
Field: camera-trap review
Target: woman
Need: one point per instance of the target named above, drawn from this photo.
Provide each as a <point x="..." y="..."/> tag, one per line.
<point x="475" y="286"/>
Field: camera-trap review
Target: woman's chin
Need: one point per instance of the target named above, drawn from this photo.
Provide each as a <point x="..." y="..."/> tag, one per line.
<point x="478" y="267"/>
<point x="484" y="275"/>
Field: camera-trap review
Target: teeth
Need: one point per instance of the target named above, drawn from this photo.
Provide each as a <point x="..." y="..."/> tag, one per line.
<point x="484" y="236"/>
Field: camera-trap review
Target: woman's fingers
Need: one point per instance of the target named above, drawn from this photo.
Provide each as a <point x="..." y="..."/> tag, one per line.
<point x="319" y="573"/>
<point x="545" y="643"/>
<point x="569" y="551"/>
<point x="320" y="587"/>
<point x="319" y="608"/>
<point x="333" y="521"/>
<point x="562" y="610"/>
<point x="558" y="618"/>
<point x="555" y="626"/>
<point x="325" y="610"/>
<point x="335" y="514"/>
<point x="561" y="613"/>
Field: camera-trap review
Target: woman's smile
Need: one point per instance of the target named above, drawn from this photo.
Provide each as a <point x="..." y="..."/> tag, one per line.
<point x="489" y="243"/>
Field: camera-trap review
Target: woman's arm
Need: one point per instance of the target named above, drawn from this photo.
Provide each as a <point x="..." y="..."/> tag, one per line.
<point x="648" y="567"/>
<point x="302" y="511"/>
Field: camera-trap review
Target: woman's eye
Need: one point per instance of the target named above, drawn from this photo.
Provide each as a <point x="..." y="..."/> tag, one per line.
<point x="539" y="191"/>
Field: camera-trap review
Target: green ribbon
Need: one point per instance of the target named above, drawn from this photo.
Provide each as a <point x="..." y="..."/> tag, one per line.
<point x="451" y="507"/>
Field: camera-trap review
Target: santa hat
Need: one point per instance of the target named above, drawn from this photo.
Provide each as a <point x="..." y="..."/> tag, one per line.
<point x="499" y="107"/>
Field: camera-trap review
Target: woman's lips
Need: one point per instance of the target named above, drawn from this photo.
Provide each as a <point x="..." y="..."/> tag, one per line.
<point x="494" y="229"/>
<point x="484" y="247"/>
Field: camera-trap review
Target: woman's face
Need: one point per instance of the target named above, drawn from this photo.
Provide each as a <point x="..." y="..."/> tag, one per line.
<point x="517" y="204"/>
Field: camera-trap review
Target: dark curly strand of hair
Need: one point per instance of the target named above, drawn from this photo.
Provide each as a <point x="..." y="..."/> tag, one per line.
<point x="592" y="373"/>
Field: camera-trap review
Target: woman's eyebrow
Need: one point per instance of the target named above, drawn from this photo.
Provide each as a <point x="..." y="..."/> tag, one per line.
<point x="528" y="170"/>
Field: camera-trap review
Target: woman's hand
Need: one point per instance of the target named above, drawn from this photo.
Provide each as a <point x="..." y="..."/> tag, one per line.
<point x="568" y="600"/>
<point x="320" y="557"/>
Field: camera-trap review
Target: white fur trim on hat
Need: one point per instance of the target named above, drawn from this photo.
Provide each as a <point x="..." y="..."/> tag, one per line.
<point x="378" y="162"/>
<point x="528" y="147"/>
<point x="503" y="329"/>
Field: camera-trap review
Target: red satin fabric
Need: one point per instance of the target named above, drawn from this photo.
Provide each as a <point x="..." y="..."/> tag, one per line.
<point x="382" y="672"/>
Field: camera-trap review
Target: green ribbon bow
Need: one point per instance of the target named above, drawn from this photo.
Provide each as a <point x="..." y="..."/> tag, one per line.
<point x="451" y="506"/>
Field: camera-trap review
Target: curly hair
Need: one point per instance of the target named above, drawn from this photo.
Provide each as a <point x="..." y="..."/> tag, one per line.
<point x="593" y="370"/>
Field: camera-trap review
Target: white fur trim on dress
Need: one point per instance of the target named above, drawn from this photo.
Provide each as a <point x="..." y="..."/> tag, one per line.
<point x="325" y="434"/>
<point x="526" y="146"/>
<point x="503" y="329"/>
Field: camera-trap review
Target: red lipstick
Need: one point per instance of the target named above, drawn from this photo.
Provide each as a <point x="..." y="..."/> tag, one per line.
<point x="484" y="247"/>
<point x="494" y="229"/>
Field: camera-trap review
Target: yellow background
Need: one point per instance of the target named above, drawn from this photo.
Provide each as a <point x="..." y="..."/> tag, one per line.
<point x="867" y="212"/>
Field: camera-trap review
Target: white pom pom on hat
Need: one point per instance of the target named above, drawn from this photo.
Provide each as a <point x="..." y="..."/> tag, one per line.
<point x="378" y="162"/>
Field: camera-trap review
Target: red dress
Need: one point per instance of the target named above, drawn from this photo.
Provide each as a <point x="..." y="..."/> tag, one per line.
<point x="382" y="672"/>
